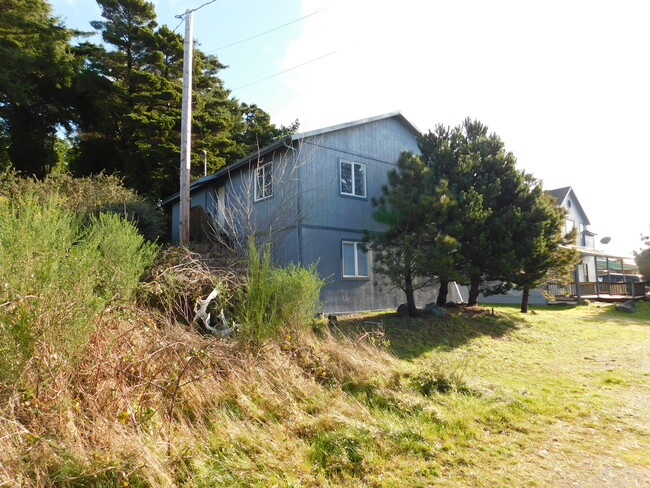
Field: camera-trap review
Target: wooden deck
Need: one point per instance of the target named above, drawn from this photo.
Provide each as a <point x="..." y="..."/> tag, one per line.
<point x="611" y="292"/>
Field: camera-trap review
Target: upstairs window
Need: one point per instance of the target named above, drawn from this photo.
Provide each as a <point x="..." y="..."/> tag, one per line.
<point x="264" y="181"/>
<point x="353" y="179"/>
<point x="568" y="226"/>
<point x="355" y="260"/>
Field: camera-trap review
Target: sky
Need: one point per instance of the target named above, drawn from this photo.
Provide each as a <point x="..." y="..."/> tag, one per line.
<point x="564" y="83"/>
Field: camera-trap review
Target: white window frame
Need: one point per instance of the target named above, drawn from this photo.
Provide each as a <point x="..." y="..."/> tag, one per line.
<point x="365" y="183"/>
<point x="356" y="246"/>
<point x="264" y="169"/>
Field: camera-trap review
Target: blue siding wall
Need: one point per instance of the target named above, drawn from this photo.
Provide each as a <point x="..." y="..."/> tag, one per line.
<point x="307" y="218"/>
<point x="377" y="145"/>
<point x="330" y="217"/>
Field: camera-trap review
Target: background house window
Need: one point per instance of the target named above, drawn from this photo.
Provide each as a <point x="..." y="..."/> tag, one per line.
<point x="263" y="181"/>
<point x="568" y="226"/>
<point x="355" y="260"/>
<point x="353" y="178"/>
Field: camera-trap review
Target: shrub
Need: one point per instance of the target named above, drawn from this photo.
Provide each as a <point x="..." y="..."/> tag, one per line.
<point x="56" y="273"/>
<point x="275" y="298"/>
<point x="122" y="255"/>
<point x="90" y="196"/>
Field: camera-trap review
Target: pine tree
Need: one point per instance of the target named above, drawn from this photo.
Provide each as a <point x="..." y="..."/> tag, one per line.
<point x="541" y="248"/>
<point x="129" y="104"/>
<point x="129" y="97"/>
<point x="642" y="259"/>
<point x="412" y="248"/>
<point x="484" y="184"/>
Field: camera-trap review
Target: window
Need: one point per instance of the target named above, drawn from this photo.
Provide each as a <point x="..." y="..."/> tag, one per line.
<point x="353" y="179"/>
<point x="263" y="182"/>
<point x="568" y="227"/>
<point x="355" y="260"/>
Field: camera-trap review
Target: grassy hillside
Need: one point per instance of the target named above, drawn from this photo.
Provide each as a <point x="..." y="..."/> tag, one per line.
<point x="471" y="400"/>
<point x="105" y="381"/>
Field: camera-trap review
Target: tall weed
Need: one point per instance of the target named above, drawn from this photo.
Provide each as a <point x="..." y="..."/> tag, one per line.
<point x="275" y="298"/>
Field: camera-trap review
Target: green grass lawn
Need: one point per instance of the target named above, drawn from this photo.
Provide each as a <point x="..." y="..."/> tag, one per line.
<point x="484" y="397"/>
<point x="558" y="395"/>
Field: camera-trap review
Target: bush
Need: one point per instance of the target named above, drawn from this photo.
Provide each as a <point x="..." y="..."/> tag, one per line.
<point x="275" y="298"/>
<point x="90" y="196"/>
<point x="56" y="273"/>
<point x="122" y="255"/>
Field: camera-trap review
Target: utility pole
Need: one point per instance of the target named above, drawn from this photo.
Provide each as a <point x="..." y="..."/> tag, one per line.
<point x="186" y="134"/>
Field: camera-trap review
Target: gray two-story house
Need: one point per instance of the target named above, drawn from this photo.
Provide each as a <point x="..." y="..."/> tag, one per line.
<point x="310" y="195"/>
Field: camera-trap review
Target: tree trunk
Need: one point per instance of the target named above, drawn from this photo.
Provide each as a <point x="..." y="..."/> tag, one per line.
<point x="442" y="293"/>
<point x="410" y="299"/>
<point x="473" y="292"/>
<point x="524" y="300"/>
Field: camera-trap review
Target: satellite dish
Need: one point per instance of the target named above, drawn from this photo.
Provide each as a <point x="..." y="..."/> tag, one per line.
<point x="605" y="240"/>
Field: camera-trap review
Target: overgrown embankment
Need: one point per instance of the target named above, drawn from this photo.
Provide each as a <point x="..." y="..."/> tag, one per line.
<point x="107" y="383"/>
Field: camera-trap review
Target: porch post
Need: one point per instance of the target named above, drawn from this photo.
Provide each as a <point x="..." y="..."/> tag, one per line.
<point x="577" y="273"/>
<point x="596" y="277"/>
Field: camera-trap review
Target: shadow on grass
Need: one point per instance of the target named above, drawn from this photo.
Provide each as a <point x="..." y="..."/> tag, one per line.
<point x="412" y="337"/>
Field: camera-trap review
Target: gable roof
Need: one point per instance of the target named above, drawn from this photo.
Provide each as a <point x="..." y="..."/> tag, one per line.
<point x="562" y="195"/>
<point x="407" y="123"/>
<point x="287" y="142"/>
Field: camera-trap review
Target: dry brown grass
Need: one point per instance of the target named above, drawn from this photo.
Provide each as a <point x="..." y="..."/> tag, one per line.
<point x="146" y="396"/>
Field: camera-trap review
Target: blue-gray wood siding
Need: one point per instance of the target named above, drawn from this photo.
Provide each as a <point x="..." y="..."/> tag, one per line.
<point x="307" y="217"/>
<point x="330" y="217"/>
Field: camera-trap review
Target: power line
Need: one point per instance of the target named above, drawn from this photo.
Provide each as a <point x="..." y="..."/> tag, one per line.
<point x="267" y="31"/>
<point x="206" y="3"/>
<point x="182" y="16"/>
<point x="283" y="71"/>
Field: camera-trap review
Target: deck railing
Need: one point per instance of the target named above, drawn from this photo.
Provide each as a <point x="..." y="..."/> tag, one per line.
<point x="598" y="289"/>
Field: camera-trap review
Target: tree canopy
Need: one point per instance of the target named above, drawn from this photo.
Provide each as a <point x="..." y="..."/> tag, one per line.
<point x="38" y="70"/>
<point x="486" y="187"/>
<point x="464" y="212"/>
<point x="118" y="102"/>
<point x="541" y="249"/>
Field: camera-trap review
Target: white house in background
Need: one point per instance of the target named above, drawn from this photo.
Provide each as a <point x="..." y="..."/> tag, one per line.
<point x="601" y="275"/>
<point x="576" y="218"/>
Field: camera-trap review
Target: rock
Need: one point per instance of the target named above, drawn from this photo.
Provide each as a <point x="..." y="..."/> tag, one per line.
<point x="629" y="306"/>
<point x="433" y="309"/>
<point x="332" y="320"/>
<point x="403" y="310"/>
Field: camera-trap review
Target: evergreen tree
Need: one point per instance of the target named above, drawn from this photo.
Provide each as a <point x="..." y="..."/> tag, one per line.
<point x="129" y="97"/>
<point x="541" y="246"/>
<point x="37" y="70"/>
<point x="129" y="105"/>
<point x="412" y="248"/>
<point x="485" y="186"/>
<point x="642" y="259"/>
